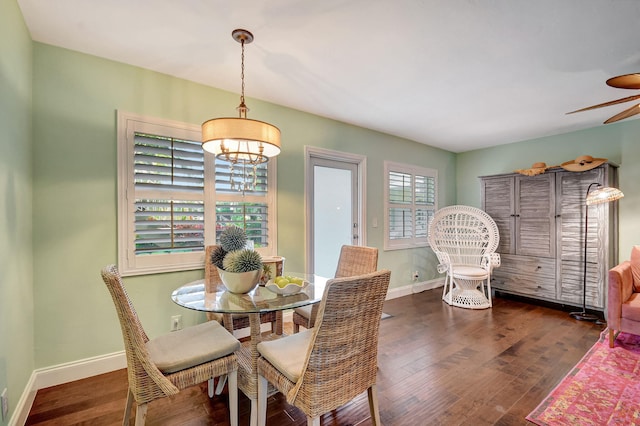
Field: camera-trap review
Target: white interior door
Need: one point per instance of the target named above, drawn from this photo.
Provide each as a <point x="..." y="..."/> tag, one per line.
<point x="334" y="194"/>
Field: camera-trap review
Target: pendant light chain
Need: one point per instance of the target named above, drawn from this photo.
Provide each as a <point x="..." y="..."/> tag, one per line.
<point x="242" y="108"/>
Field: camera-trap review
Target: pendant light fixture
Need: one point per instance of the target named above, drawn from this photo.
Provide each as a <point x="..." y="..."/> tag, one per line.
<point x="241" y="141"/>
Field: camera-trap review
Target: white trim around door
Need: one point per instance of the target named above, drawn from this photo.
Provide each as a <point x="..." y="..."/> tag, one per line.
<point x="360" y="161"/>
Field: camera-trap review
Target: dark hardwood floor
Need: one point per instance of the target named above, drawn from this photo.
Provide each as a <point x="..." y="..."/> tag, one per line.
<point x="438" y="365"/>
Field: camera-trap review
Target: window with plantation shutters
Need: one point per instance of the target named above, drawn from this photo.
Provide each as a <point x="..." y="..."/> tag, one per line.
<point x="162" y="191"/>
<point x="174" y="198"/>
<point x="410" y="203"/>
<point x="248" y="209"/>
<point x="169" y="194"/>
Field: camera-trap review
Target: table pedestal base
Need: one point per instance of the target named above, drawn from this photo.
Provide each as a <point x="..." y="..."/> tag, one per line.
<point x="248" y="365"/>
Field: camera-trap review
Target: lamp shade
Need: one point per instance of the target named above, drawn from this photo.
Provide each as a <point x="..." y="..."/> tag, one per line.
<point x="241" y="138"/>
<point x="603" y="195"/>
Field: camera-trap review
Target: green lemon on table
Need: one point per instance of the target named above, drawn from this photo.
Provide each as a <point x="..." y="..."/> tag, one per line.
<point x="297" y="281"/>
<point x="281" y="282"/>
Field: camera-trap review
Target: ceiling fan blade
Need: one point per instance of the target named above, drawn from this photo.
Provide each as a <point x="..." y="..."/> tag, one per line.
<point x="627" y="81"/>
<point x="617" y="101"/>
<point x="624" y="114"/>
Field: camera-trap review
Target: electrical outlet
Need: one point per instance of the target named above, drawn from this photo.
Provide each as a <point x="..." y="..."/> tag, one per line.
<point x="176" y="322"/>
<point x="5" y="404"/>
<point x="416" y="275"/>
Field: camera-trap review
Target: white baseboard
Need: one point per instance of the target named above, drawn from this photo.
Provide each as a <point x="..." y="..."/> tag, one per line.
<point x="81" y="369"/>
<point x="417" y="287"/>
<point x="23" y="407"/>
<point x="63" y="373"/>
<point x="76" y="370"/>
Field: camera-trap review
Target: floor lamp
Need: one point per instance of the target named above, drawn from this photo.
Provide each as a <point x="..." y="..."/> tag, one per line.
<point x="604" y="194"/>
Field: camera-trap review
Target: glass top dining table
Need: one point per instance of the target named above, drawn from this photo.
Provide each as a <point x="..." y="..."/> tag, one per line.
<point x="194" y="296"/>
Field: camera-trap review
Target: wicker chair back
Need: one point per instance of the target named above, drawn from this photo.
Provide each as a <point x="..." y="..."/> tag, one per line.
<point x="356" y="260"/>
<point x="465" y="233"/>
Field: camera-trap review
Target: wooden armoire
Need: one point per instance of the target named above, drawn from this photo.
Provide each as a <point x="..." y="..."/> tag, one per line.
<point x="541" y="222"/>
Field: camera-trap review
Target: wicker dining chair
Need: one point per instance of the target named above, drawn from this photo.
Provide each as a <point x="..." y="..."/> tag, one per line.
<point x="353" y="260"/>
<point x="165" y="365"/>
<point x="321" y="369"/>
<point x="231" y="321"/>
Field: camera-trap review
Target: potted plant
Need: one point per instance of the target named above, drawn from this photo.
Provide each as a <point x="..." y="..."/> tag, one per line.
<point x="240" y="268"/>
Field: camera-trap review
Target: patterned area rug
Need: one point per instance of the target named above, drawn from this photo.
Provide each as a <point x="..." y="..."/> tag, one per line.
<point x="602" y="389"/>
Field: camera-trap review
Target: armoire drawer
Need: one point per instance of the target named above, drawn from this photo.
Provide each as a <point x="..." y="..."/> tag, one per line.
<point x="526" y="275"/>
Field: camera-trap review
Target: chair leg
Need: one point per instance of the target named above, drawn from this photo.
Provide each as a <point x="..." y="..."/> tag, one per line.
<point x="445" y="287"/>
<point x="313" y="421"/>
<point x="211" y="387"/>
<point x="612" y="338"/>
<point x="311" y="322"/>
<point x="447" y="292"/>
<point x="277" y="327"/>
<point x="127" y="408"/>
<point x="254" y="413"/>
<point x="451" y="285"/>
<point x="296" y="327"/>
<point x="233" y="397"/>
<point x="221" y="381"/>
<point x="141" y="414"/>
<point x="373" y="405"/>
<point x="263" y="386"/>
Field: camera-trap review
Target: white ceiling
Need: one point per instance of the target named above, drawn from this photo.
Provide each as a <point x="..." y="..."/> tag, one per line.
<point x="455" y="74"/>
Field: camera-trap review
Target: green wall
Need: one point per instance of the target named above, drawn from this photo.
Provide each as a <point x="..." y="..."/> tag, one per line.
<point x="74" y="124"/>
<point x="619" y="143"/>
<point x="16" y="283"/>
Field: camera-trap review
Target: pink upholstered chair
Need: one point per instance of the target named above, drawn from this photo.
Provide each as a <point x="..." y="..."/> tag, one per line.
<point x="623" y="303"/>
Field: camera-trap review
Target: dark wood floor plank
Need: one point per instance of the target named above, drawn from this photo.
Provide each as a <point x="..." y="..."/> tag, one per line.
<point x="437" y="365"/>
